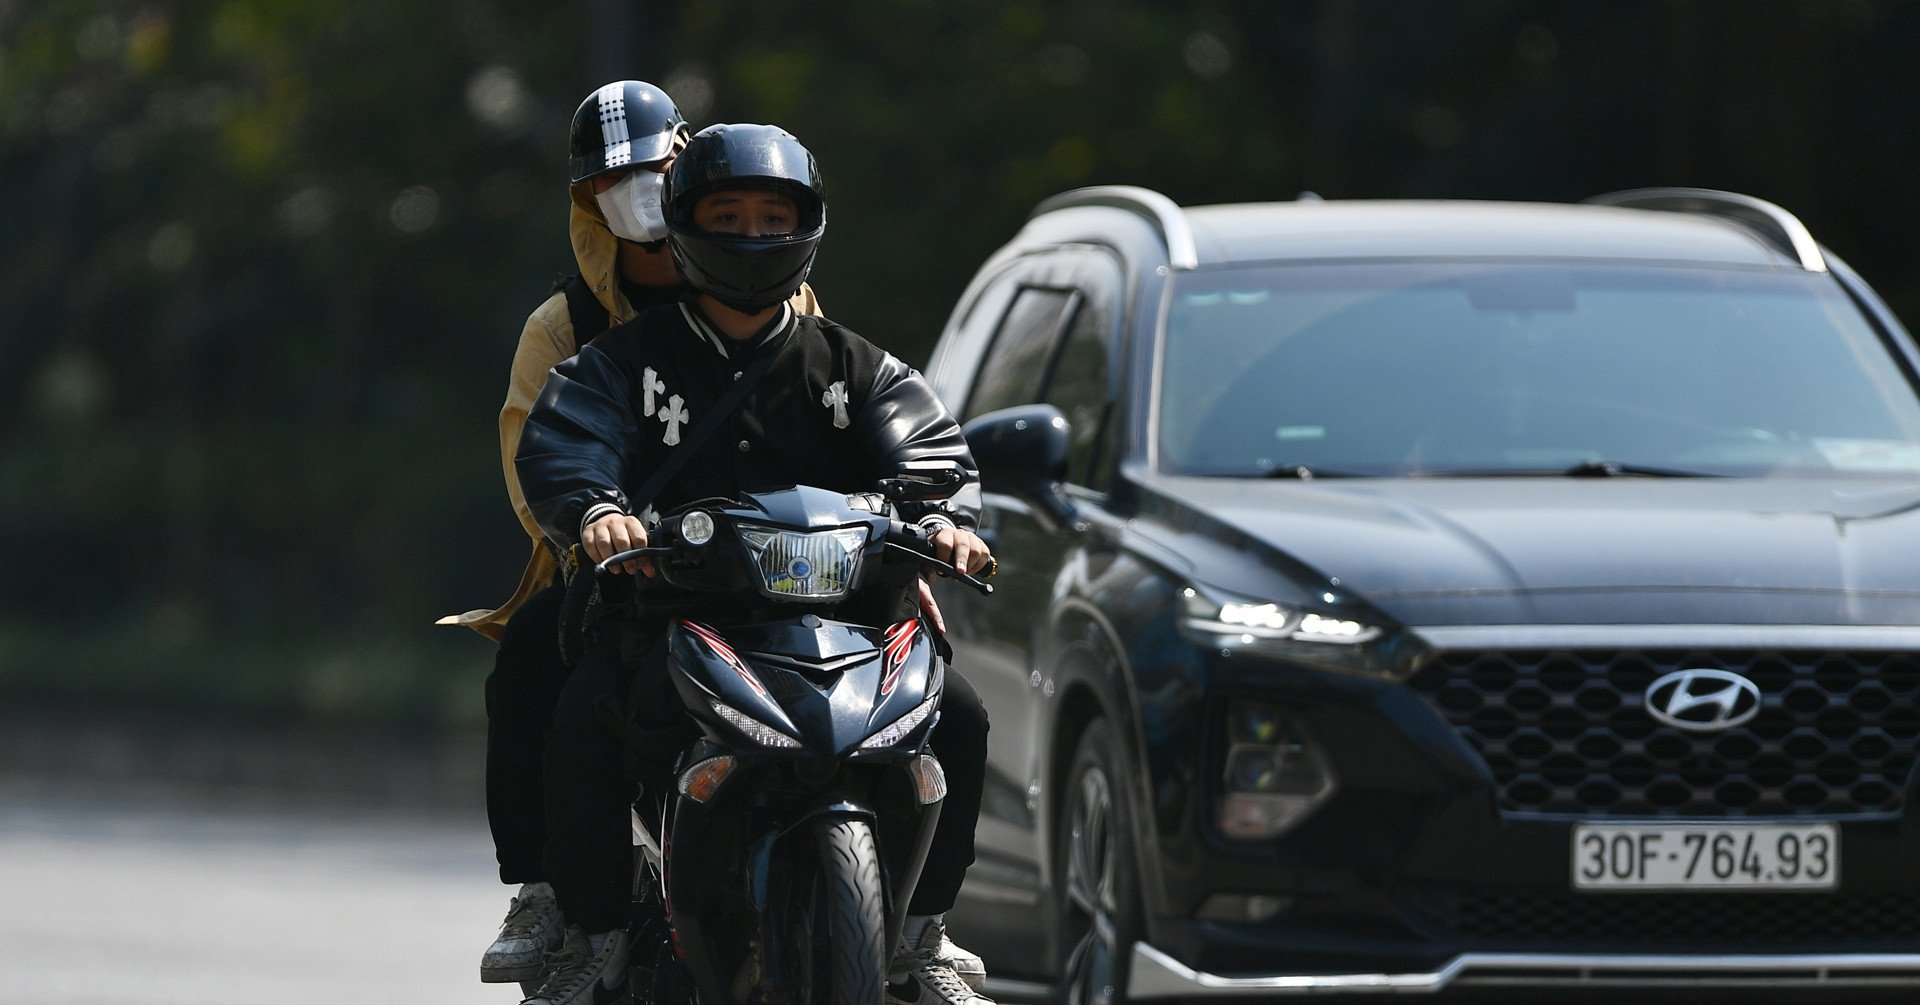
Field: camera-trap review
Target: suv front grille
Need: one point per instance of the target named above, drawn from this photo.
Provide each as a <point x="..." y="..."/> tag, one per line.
<point x="1696" y="920"/>
<point x="1566" y="732"/>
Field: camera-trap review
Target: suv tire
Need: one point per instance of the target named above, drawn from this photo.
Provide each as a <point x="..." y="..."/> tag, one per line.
<point x="1098" y="915"/>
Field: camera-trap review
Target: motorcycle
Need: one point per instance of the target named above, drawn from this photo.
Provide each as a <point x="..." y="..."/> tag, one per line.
<point x="780" y="868"/>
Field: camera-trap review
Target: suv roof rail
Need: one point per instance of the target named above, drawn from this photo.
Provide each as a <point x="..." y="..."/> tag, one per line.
<point x="1163" y="213"/>
<point x="1769" y="222"/>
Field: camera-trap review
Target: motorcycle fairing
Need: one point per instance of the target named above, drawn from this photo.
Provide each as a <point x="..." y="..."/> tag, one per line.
<point x="900" y="641"/>
<point x="726" y="654"/>
<point x="828" y="684"/>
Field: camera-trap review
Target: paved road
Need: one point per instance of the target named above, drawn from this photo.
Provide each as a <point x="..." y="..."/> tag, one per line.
<point x="194" y="900"/>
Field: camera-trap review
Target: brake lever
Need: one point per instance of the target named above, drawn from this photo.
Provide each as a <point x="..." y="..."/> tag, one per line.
<point x="985" y="588"/>
<point x="949" y="570"/>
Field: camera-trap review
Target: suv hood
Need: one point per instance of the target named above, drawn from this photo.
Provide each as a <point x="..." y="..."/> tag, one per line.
<point x="1585" y="551"/>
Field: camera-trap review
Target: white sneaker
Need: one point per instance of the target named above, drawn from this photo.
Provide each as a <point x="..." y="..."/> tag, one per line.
<point x="940" y="974"/>
<point x="531" y="931"/>
<point x="968" y="965"/>
<point x="576" y="975"/>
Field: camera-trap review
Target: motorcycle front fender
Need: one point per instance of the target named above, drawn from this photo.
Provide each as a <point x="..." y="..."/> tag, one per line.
<point x="766" y="893"/>
<point x="772" y="887"/>
<point x="698" y="893"/>
<point x="803" y="827"/>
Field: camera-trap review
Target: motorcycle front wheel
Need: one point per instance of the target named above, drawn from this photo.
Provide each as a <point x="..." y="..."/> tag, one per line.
<point x="850" y="913"/>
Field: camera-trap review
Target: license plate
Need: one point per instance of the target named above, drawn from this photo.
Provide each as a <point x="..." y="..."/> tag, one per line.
<point x="1705" y="857"/>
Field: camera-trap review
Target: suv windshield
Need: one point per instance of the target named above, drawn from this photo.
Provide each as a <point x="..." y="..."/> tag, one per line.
<point x="1402" y="369"/>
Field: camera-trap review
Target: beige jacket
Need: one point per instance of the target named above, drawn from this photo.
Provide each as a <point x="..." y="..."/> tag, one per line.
<point x="547" y="340"/>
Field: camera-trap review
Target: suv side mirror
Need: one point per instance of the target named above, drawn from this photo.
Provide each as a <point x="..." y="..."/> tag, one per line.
<point x="1022" y="452"/>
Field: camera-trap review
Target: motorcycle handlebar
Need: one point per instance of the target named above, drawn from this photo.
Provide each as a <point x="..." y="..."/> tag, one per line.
<point x="900" y="536"/>
<point x="630" y="554"/>
<point x="915" y="541"/>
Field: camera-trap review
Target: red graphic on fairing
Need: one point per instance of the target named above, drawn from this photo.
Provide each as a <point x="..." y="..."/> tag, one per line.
<point x="900" y="639"/>
<point x="726" y="653"/>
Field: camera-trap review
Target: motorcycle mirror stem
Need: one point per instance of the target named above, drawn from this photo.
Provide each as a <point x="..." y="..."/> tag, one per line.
<point x="924" y="480"/>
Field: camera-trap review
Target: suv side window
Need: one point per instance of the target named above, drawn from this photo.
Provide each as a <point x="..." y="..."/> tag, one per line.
<point x="964" y="341"/>
<point x="1016" y="361"/>
<point x="1078" y="388"/>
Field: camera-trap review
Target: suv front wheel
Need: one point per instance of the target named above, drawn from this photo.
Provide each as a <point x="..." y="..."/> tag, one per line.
<point x="1099" y="914"/>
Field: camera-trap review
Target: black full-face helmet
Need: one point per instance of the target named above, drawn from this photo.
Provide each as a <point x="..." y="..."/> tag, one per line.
<point x="747" y="274"/>
<point x="621" y="124"/>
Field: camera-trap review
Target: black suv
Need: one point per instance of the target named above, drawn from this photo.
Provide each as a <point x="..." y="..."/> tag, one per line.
<point x="1410" y="595"/>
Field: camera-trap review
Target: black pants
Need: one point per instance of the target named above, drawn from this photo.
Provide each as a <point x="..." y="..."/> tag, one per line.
<point x="589" y="836"/>
<point x="522" y="691"/>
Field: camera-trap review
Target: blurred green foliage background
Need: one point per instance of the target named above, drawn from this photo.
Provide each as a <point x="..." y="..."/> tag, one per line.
<point x="263" y="262"/>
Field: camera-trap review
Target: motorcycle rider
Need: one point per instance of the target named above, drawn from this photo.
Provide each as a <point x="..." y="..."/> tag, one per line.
<point x="744" y="216"/>
<point x="621" y="139"/>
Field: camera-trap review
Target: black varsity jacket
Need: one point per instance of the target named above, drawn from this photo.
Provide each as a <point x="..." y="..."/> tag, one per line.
<point x="833" y="411"/>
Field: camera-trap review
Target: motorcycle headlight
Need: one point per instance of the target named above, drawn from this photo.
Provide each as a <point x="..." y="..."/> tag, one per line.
<point x="900" y="727"/>
<point x="809" y="565"/>
<point x="755" y="730"/>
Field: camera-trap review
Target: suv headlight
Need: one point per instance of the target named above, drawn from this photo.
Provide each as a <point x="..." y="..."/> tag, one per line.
<point x="807" y="565"/>
<point x="1245" y="622"/>
<point x="1315" y="638"/>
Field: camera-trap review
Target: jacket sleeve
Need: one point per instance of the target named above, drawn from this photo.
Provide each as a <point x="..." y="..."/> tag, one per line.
<point x="574" y="454"/>
<point x="545" y="341"/>
<point x="902" y="424"/>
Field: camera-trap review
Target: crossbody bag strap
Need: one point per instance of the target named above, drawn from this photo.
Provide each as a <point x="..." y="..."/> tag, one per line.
<point x="588" y="314"/>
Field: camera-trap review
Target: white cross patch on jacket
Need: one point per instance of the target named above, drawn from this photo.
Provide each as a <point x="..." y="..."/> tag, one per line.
<point x="836" y="399"/>
<point x="650" y="385"/>
<point x="673" y="413"/>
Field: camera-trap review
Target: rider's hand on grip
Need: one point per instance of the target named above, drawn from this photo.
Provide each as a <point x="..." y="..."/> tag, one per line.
<point x="962" y="548"/>
<point x="942" y="547"/>
<point x="614" y="533"/>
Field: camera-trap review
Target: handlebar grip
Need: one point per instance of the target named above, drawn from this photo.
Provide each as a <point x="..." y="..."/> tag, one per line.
<point x="631" y="554"/>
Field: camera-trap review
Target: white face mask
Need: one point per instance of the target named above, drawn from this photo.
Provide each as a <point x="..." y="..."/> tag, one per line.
<point x="632" y="206"/>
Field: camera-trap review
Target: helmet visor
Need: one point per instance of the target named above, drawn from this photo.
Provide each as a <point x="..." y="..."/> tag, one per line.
<point x="745" y="157"/>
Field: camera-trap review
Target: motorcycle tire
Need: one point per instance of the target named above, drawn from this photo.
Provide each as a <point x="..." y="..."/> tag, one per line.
<point x="856" y="918"/>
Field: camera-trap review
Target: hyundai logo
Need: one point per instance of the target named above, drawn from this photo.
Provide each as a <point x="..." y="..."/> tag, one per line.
<point x="1703" y="700"/>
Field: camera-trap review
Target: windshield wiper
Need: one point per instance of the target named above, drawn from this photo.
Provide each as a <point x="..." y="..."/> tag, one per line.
<point x="1307" y="473"/>
<point x="1584" y="469"/>
<point x="1614" y="469"/>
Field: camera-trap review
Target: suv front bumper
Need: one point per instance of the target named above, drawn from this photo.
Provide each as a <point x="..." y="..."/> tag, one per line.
<point x="1157" y="975"/>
